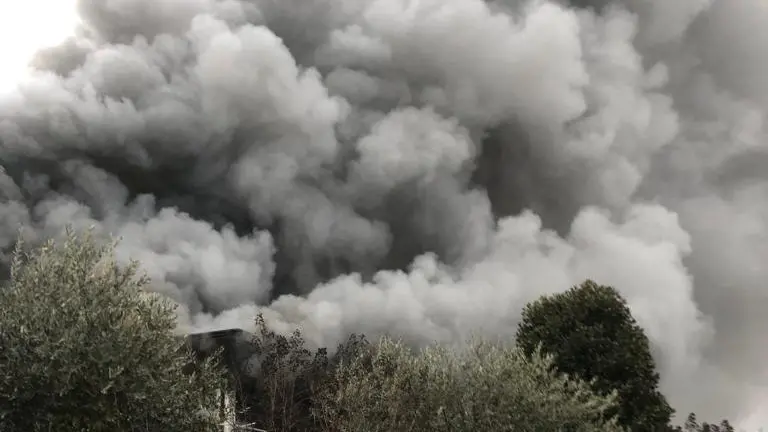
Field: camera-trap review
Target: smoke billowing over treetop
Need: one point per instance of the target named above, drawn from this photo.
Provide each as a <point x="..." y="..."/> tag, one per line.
<point x="422" y="168"/>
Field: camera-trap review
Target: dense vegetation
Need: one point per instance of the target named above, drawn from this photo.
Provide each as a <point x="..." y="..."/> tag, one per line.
<point x="592" y="334"/>
<point x="84" y="348"/>
<point x="484" y="388"/>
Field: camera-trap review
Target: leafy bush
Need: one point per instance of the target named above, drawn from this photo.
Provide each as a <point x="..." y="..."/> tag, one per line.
<point x="591" y="333"/>
<point x="484" y="388"/>
<point x="83" y="348"/>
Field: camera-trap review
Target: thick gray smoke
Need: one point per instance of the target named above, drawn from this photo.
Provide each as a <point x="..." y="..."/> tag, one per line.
<point x="422" y="168"/>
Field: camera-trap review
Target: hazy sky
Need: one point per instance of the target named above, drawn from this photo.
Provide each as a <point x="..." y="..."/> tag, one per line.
<point x="19" y="39"/>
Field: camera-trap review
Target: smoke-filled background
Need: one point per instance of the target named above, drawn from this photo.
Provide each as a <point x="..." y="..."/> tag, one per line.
<point x="421" y="168"/>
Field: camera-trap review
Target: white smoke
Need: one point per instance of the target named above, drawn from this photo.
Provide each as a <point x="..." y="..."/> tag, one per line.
<point x="423" y="168"/>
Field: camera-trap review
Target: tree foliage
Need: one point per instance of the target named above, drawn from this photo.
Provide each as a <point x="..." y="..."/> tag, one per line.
<point x="84" y="348"/>
<point x="591" y="333"/>
<point x="484" y="388"/>
<point x="692" y="425"/>
<point x="281" y="379"/>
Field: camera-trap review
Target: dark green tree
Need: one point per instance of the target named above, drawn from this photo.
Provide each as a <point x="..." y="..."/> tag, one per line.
<point x="591" y="333"/>
<point x="84" y="348"/>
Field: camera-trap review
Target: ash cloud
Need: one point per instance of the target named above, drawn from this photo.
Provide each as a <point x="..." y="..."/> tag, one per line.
<point x="419" y="168"/>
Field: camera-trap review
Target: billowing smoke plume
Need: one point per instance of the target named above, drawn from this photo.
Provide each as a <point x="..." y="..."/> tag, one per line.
<point x="422" y="168"/>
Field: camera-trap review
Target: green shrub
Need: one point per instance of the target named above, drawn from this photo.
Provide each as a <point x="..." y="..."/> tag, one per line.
<point x="84" y="348"/>
<point x="484" y="388"/>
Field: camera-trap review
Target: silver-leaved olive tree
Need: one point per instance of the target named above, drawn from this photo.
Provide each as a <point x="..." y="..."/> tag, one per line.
<point x="83" y="347"/>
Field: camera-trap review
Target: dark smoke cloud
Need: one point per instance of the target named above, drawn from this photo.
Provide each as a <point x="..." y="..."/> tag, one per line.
<point x="422" y="168"/>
